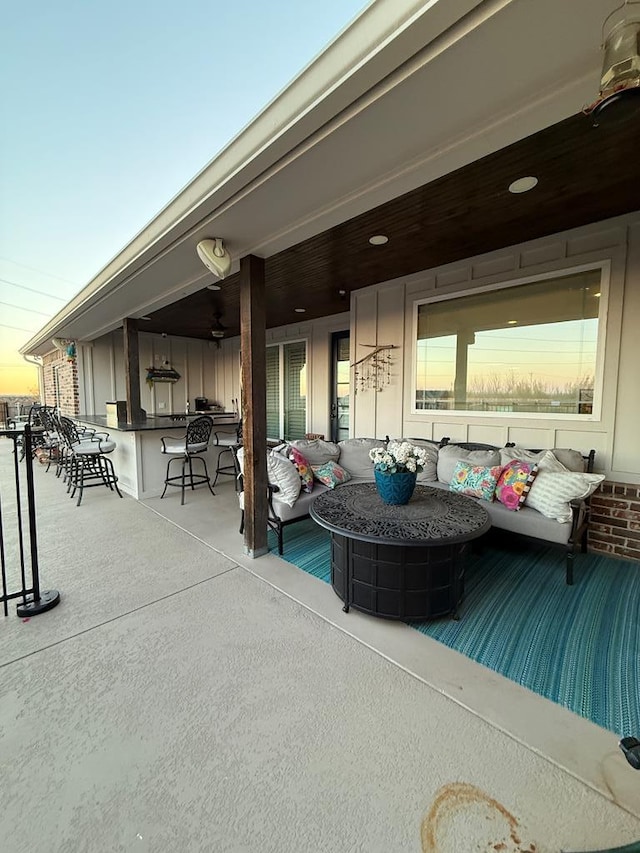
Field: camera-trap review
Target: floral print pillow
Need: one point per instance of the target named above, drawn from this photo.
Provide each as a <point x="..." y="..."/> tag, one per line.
<point x="331" y="474"/>
<point x="475" y="480"/>
<point x="515" y="481"/>
<point x="304" y="469"/>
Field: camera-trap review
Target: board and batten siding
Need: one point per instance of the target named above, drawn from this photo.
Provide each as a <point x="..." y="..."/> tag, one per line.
<point x="384" y="314"/>
<point x="103" y="379"/>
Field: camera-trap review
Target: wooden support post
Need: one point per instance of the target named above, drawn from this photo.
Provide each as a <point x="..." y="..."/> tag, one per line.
<point x="254" y="402"/>
<point x="132" y="369"/>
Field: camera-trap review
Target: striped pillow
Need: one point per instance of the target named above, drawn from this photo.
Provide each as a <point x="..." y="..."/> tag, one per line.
<point x="552" y="492"/>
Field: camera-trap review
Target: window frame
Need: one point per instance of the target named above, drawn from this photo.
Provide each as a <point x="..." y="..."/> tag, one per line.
<point x="596" y="415"/>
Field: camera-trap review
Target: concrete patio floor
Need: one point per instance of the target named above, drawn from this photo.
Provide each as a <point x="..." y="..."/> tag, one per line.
<point x="183" y="697"/>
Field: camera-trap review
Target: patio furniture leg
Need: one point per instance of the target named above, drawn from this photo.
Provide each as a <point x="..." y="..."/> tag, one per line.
<point x="81" y="469"/>
<point x="182" y="486"/>
<point x="570" y="559"/>
<point x="110" y="474"/>
<point x="166" y="478"/>
<point x="193" y="488"/>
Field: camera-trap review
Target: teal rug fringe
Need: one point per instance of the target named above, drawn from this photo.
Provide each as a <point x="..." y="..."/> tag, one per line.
<point x="576" y="645"/>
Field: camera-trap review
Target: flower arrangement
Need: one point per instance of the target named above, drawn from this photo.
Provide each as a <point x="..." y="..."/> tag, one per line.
<point x="398" y="457"/>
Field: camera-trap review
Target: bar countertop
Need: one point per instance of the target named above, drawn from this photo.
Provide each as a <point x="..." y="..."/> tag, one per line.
<point x="177" y="420"/>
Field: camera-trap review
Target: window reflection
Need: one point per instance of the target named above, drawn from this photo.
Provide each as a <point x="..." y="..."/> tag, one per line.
<point x="526" y="348"/>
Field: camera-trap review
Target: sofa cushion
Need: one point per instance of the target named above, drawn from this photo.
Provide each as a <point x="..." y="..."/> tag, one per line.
<point x="298" y="510"/>
<point x="528" y="522"/>
<point x="281" y="472"/>
<point x="429" y="471"/>
<point x="514" y="483"/>
<point x="476" y="481"/>
<point x="301" y="506"/>
<point x="304" y="469"/>
<point x="571" y="460"/>
<point x="451" y="454"/>
<point x="331" y="474"/>
<point x="317" y="451"/>
<point x="354" y="456"/>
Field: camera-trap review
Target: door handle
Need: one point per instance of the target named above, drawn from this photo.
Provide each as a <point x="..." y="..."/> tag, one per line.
<point x="334" y="410"/>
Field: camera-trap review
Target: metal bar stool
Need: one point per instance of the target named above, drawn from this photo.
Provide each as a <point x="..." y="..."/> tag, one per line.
<point x="85" y="462"/>
<point x="185" y="449"/>
<point x="228" y="441"/>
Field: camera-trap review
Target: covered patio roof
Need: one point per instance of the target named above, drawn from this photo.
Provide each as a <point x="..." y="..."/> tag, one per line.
<point x="412" y="123"/>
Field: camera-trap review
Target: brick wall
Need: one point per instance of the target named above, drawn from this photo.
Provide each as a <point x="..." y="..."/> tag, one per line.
<point x="67" y="371"/>
<point x="615" y="520"/>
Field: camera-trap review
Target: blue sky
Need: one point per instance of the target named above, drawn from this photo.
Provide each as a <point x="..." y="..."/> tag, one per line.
<point x="108" y="111"/>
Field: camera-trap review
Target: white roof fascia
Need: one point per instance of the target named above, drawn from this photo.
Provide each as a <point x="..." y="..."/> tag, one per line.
<point x="381" y="37"/>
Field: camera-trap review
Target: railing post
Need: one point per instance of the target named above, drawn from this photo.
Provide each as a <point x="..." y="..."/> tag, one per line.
<point x="34" y="600"/>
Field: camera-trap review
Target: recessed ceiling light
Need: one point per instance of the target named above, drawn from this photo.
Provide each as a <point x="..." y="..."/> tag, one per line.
<point x="511" y="322"/>
<point x="378" y="239"/>
<point x="213" y="287"/>
<point x="597" y="295"/>
<point x="523" y="185"/>
<point x="144" y="318"/>
<point x="299" y="310"/>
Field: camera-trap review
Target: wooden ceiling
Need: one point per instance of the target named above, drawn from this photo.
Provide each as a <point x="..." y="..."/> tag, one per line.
<point x="585" y="174"/>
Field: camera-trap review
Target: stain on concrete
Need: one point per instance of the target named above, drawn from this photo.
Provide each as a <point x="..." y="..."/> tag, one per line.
<point x="462" y="815"/>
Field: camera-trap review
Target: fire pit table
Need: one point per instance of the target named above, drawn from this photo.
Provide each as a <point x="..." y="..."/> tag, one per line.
<point x="399" y="562"/>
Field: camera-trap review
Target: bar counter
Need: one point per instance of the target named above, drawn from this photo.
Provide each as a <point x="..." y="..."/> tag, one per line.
<point x="138" y="461"/>
<point x="155" y="422"/>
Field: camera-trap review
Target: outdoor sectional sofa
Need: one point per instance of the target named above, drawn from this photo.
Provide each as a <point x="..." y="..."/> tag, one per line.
<point x="561" y="495"/>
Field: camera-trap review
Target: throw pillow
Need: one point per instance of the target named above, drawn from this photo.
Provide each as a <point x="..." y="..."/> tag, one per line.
<point x="331" y="474"/>
<point x="514" y="483"/>
<point x="477" y="481"/>
<point x="552" y="492"/>
<point x="304" y="469"/>
<point x="281" y="472"/>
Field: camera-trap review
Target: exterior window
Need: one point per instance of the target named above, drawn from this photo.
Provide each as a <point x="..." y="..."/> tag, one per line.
<point x="287" y="390"/>
<point x="527" y="348"/>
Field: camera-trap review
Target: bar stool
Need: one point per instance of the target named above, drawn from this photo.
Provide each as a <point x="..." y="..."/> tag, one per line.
<point x="228" y="441"/>
<point x="185" y="449"/>
<point x="85" y="462"/>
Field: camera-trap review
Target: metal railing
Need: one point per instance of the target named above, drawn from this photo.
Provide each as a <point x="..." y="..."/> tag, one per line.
<point x="18" y="540"/>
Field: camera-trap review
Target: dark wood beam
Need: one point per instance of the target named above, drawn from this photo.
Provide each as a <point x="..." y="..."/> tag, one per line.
<point x="585" y="174"/>
<point x="254" y="402"/>
<point x="132" y="369"/>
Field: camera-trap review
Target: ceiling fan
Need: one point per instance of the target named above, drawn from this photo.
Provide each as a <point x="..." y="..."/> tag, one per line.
<point x="218" y="329"/>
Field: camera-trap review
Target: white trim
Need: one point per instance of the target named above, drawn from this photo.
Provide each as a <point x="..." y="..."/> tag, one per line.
<point x="605" y="276"/>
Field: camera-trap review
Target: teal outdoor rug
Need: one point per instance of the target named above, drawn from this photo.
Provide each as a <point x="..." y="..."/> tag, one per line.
<point x="576" y="645"/>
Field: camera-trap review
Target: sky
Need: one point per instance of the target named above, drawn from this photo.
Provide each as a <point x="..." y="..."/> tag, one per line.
<point x="108" y="111"/>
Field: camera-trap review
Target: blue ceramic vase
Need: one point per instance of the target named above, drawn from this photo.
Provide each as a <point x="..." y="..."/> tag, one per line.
<point x="395" y="489"/>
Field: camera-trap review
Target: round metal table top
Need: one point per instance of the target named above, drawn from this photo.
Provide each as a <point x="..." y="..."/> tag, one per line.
<point x="432" y="516"/>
